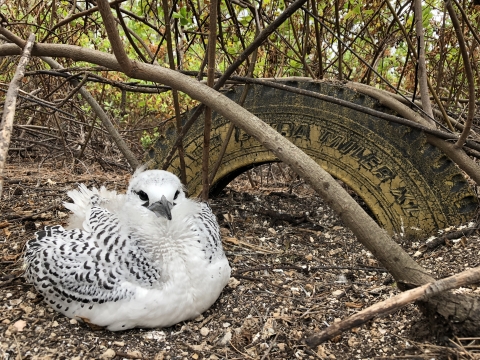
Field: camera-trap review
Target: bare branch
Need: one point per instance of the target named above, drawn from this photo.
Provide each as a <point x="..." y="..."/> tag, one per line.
<point x="421" y="293"/>
<point x="212" y="42"/>
<point x="6" y="126"/>
<point x="422" y="68"/>
<point x="468" y="74"/>
<point x="97" y="109"/>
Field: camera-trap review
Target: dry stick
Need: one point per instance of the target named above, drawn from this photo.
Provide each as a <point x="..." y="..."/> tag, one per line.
<point x="62" y="135"/>
<point x="421" y="293"/>
<point x="6" y="126"/>
<point x="422" y="67"/>
<point x="230" y="70"/>
<point x="97" y="109"/>
<point x="127" y="31"/>
<point x="468" y="74"/>
<point x="415" y="55"/>
<point x="318" y="38"/>
<point x="337" y="28"/>
<point x="87" y="139"/>
<point x="76" y="16"/>
<point x="212" y="44"/>
<point x="243" y="96"/>
<point x="469" y="24"/>
<point x="176" y="103"/>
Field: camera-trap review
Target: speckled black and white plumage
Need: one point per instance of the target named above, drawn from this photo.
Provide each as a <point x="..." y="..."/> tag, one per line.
<point x="123" y="263"/>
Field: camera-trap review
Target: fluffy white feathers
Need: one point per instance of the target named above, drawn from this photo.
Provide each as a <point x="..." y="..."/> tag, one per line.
<point x="149" y="258"/>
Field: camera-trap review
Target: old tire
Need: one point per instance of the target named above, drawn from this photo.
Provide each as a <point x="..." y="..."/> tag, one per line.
<point x="409" y="185"/>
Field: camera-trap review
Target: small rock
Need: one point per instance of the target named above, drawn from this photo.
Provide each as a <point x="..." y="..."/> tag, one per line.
<point x="268" y="329"/>
<point x="272" y="231"/>
<point x="26" y="309"/>
<point x="15" y="302"/>
<point x="321" y="352"/>
<point x="226" y="338"/>
<point x="281" y="346"/>
<point x="55" y="324"/>
<point x="135" y="354"/>
<point x="337" y="293"/>
<point x="108" y="354"/>
<point x="119" y="343"/>
<point x="20" y="324"/>
<point x="352" y="342"/>
<point x="195" y="356"/>
<point x="155" y="335"/>
<point x="73" y="322"/>
<point x="160" y="355"/>
<point x="204" y="331"/>
<point x="233" y="283"/>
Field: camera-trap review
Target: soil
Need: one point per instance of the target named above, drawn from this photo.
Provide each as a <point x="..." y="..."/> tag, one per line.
<point x="296" y="270"/>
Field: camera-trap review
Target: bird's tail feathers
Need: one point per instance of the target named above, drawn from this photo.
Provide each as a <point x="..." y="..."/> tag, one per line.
<point x="82" y="202"/>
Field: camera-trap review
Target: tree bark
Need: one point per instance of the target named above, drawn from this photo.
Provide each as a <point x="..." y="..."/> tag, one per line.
<point x="6" y="126"/>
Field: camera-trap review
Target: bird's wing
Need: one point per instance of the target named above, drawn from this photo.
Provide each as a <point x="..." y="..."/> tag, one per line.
<point x="96" y="266"/>
<point x="207" y="227"/>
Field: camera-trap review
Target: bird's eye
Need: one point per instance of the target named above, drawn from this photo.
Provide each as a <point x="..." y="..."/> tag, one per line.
<point x="142" y="195"/>
<point x="176" y="195"/>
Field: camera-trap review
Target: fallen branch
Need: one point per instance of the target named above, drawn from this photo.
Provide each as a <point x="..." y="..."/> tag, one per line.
<point x="421" y="293"/>
<point x="6" y="125"/>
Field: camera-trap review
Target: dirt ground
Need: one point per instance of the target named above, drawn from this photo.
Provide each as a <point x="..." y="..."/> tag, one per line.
<point x="297" y="269"/>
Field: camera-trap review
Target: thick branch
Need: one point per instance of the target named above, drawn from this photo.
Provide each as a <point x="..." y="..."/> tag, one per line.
<point x="115" y="41"/>
<point x="6" y="126"/>
<point x="421" y="293"/>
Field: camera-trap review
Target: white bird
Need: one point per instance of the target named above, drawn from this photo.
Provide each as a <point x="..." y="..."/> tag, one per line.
<point x="149" y="258"/>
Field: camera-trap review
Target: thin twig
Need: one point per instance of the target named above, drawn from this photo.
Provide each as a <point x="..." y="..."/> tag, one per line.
<point x="212" y="43"/>
<point x="468" y="74"/>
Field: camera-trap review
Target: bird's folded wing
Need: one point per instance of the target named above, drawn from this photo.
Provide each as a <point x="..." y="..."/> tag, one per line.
<point x="96" y="266"/>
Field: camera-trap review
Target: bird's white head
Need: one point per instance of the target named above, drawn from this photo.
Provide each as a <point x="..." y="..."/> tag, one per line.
<point x="158" y="189"/>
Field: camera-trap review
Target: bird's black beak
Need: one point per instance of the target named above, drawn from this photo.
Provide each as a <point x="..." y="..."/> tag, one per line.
<point x="162" y="208"/>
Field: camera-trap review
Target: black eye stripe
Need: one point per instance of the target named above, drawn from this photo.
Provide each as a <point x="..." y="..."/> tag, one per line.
<point x="176" y="195"/>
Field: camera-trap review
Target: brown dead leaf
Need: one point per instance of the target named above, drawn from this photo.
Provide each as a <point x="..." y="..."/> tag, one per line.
<point x="11" y="257"/>
<point x="353" y="305"/>
<point x="231" y="240"/>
